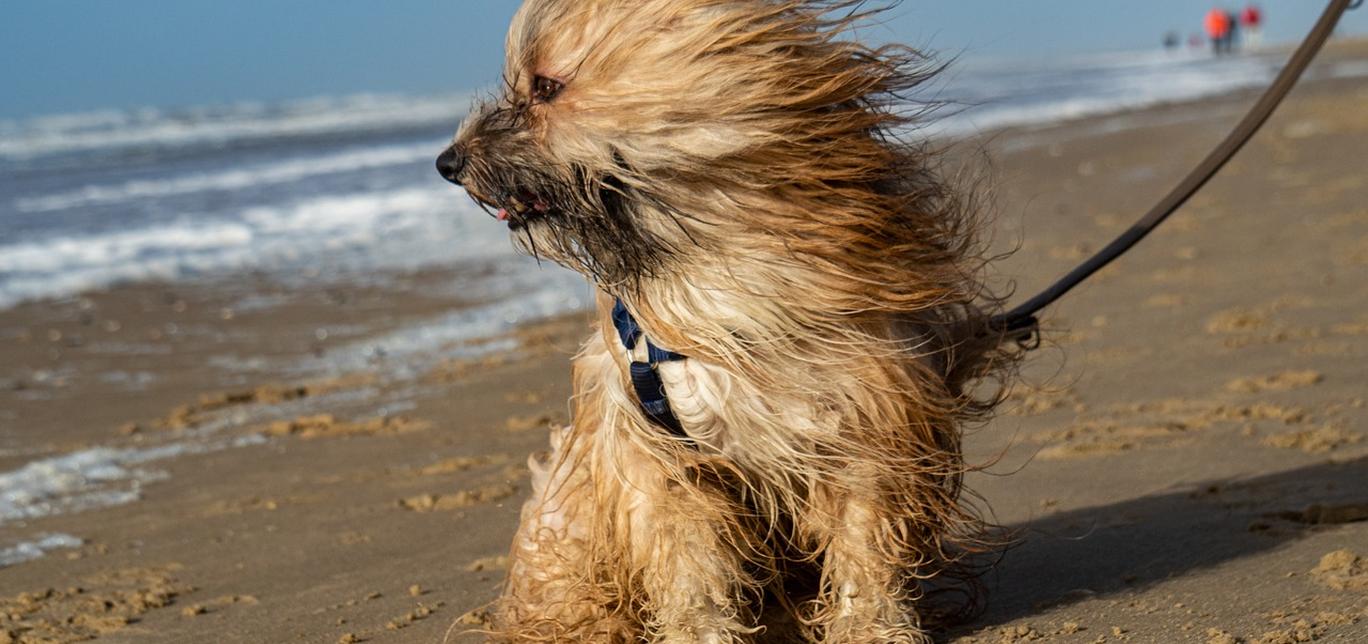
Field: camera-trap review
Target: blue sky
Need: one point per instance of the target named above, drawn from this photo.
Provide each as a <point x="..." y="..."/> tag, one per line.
<point x="67" y="56"/>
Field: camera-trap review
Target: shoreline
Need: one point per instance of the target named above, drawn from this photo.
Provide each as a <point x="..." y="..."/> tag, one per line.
<point x="285" y="480"/>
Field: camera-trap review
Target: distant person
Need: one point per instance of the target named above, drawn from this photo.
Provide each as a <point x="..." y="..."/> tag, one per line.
<point x="1172" y="40"/>
<point x="1251" y="23"/>
<point x="1218" y="29"/>
<point x="1233" y="38"/>
<point x="1196" y="41"/>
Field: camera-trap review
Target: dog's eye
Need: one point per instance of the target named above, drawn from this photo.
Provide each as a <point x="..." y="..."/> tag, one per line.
<point x="544" y="90"/>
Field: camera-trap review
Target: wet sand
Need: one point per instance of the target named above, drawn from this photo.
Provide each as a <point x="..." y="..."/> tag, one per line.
<point x="1185" y="460"/>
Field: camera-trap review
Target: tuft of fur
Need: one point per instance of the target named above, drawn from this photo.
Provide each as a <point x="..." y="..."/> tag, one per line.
<point x="735" y="172"/>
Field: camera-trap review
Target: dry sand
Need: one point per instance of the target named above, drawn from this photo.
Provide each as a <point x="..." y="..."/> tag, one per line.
<point x="1185" y="461"/>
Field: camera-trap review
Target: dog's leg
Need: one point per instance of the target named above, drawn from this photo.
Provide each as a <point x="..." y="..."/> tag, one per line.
<point x="689" y="577"/>
<point x="552" y="593"/>
<point x="691" y="573"/>
<point x="863" y="597"/>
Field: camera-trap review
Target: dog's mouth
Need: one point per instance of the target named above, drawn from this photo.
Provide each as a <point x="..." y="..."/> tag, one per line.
<point x="519" y="207"/>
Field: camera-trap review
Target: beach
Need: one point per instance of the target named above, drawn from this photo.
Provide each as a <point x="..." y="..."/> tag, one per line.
<point x="297" y="456"/>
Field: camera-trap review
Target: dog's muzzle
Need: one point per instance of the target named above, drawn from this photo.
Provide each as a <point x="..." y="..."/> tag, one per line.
<point x="451" y="162"/>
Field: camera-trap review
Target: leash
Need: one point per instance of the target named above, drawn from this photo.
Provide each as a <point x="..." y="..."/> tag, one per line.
<point x="1021" y="325"/>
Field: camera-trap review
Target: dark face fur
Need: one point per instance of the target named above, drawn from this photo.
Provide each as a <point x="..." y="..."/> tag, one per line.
<point x="566" y="211"/>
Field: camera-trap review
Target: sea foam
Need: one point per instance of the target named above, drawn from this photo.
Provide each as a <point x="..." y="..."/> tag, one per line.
<point x="92" y="478"/>
<point x="30" y="550"/>
<point x="351" y="160"/>
<point x="405" y="227"/>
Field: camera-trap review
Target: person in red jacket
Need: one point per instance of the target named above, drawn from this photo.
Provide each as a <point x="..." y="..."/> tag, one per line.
<point x="1219" y="28"/>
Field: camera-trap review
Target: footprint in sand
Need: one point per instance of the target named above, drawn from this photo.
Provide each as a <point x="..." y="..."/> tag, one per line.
<point x="191" y="415"/>
<point x="1180" y="274"/>
<point x="1102" y="437"/>
<point x="1165" y="301"/>
<point x="459" y="500"/>
<point x="462" y="464"/>
<point x="1289" y="415"/>
<point x="1256" y="325"/>
<point x="1175" y="421"/>
<point x="531" y="422"/>
<point x="1314" y="441"/>
<point x="1285" y="381"/>
<point x="1359" y="327"/>
<point x="1071" y="253"/>
<point x="1323" y="348"/>
<point x="241" y="506"/>
<point x="1028" y="400"/>
<point x="1236" y="321"/>
<point x="326" y="426"/>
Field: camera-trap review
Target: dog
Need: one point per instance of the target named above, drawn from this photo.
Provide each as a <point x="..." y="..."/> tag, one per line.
<point x="792" y="323"/>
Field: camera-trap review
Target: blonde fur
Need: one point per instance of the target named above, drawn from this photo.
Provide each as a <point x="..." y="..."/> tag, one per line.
<point x="732" y="171"/>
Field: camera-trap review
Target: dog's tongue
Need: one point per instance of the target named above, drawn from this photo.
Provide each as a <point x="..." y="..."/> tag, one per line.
<point x="503" y="214"/>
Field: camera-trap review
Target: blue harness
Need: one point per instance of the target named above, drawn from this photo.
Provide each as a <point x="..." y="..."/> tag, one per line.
<point x="650" y="391"/>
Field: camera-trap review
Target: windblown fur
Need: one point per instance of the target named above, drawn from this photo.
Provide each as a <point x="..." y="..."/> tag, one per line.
<point x="733" y="171"/>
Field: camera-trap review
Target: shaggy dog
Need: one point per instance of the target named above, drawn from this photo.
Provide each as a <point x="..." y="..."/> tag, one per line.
<point x="730" y="172"/>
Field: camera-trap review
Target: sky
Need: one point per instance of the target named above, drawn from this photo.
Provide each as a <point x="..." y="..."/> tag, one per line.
<point x="63" y="56"/>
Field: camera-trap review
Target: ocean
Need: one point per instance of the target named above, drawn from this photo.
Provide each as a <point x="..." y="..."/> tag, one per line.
<point x="344" y="188"/>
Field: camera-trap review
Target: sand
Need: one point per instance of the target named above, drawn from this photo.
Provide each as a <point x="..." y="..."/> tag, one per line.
<point x="1184" y="461"/>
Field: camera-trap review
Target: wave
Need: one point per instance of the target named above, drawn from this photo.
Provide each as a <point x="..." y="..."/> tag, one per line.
<point x="91" y="478"/>
<point x="220" y="125"/>
<point x="400" y="228"/>
<point x="237" y="179"/>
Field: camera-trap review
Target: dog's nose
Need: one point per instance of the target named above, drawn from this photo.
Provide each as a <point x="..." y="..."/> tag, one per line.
<point x="451" y="162"/>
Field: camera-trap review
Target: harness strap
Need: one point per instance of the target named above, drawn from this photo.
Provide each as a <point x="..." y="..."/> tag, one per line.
<point x="650" y="390"/>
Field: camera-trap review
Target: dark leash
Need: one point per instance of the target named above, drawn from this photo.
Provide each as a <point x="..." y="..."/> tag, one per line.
<point x="1021" y="325"/>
